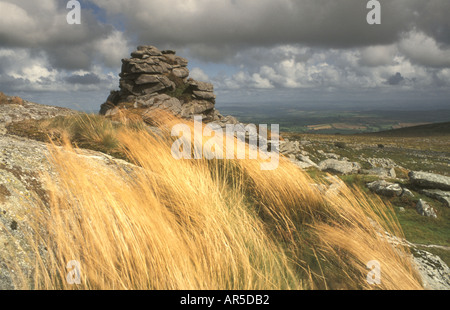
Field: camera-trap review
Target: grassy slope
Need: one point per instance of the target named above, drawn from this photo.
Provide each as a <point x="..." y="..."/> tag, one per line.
<point x="429" y="130"/>
<point x="413" y="153"/>
<point x="430" y="153"/>
<point x="229" y="224"/>
<point x="408" y="152"/>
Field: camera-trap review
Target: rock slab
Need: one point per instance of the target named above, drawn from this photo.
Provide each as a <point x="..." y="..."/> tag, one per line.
<point x="340" y="166"/>
<point x="429" y="180"/>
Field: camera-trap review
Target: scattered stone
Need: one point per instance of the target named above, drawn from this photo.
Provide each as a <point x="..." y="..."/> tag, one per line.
<point x="334" y="188"/>
<point x="329" y="155"/>
<point x="434" y="271"/>
<point x="302" y="164"/>
<point x="381" y="172"/>
<point x="341" y="145"/>
<point x="425" y="209"/>
<point x="407" y="192"/>
<point x="29" y="110"/>
<point x="429" y="180"/>
<point x="338" y="166"/>
<point x="224" y="120"/>
<point x="196" y="107"/>
<point x="384" y="188"/>
<point x="289" y="147"/>
<point x="381" y="162"/>
<point x="439" y="195"/>
<point x="305" y="159"/>
<point x="333" y="156"/>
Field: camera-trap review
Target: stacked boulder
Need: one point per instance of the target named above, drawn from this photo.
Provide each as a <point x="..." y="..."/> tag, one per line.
<point x="154" y="79"/>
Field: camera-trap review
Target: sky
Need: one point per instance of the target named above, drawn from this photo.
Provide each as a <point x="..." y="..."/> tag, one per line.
<point x="253" y="51"/>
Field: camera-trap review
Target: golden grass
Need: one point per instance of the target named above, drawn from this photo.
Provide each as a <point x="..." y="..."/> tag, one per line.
<point x="208" y="224"/>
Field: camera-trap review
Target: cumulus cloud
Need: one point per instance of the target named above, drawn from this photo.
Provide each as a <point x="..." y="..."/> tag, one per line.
<point x="216" y="29"/>
<point x="262" y="45"/>
<point x="380" y="55"/>
<point x="198" y="74"/>
<point x="299" y="44"/>
<point x="89" y="78"/>
<point x="21" y="70"/>
<point x="345" y="70"/>
<point x="42" y="26"/>
<point x="425" y="50"/>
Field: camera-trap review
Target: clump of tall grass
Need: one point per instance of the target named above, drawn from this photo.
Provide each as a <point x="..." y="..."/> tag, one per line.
<point x="91" y="131"/>
<point x="208" y="224"/>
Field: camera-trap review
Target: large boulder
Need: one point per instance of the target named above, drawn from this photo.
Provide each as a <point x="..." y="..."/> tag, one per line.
<point x="424" y="209"/>
<point x="429" y="180"/>
<point x="24" y="165"/>
<point x="340" y="166"/>
<point x="433" y="270"/>
<point x="384" y="188"/>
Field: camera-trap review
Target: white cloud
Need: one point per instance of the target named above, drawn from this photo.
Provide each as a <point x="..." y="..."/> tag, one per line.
<point x="260" y="82"/>
<point x="198" y="74"/>
<point x="381" y="55"/>
<point x="112" y="49"/>
<point x="15" y="20"/>
<point x="35" y="73"/>
<point x="424" y="50"/>
<point x="23" y="71"/>
<point x="299" y="68"/>
<point x="257" y="45"/>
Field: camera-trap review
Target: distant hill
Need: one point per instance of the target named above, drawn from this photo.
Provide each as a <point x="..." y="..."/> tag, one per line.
<point x="436" y="129"/>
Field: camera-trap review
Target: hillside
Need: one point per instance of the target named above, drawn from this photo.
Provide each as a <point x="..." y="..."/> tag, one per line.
<point x="274" y="224"/>
<point x="429" y="130"/>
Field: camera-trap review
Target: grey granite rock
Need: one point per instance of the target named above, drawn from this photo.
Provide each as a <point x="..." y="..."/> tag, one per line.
<point x="429" y="180"/>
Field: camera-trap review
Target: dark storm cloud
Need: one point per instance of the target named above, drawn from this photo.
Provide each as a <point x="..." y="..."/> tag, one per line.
<point x="86" y="79"/>
<point x="214" y="29"/>
<point x="265" y="44"/>
<point x="10" y="85"/>
<point x="396" y="79"/>
<point x="314" y="22"/>
<point x="41" y="26"/>
<point x="433" y="17"/>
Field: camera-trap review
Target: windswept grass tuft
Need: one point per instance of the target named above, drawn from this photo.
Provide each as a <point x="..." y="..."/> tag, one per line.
<point x="164" y="223"/>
